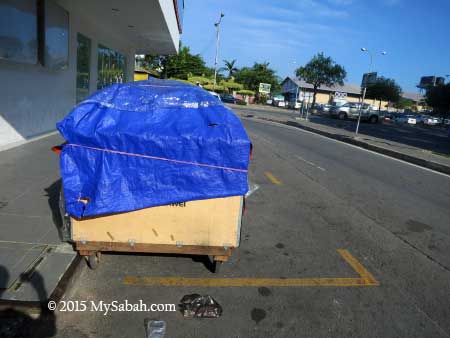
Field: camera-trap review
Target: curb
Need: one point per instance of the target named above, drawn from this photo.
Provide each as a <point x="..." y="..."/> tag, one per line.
<point x="36" y="307"/>
<point x="350" y="140"/>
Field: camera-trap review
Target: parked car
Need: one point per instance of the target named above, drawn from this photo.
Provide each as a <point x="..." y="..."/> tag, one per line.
<point x="278" y="101"/>
<point x="294" y="104"/>
<point x="388" y="116"/>
<point x="350" y="110"/>
<point x="326" y="108"/>
<point x="217" y="96"/>
<point x="279" y="104"/>
<point x="432" y="120"/>
<point x="409" y="119"/>
<point x="228" y="98"/>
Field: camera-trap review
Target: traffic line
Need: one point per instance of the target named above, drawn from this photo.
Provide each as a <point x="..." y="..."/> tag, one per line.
<point x="272" y="178"/>
<point x="365" y="279"/>
<point x="309" y="162"/>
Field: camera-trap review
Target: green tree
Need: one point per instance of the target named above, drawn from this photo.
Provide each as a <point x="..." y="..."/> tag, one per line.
<point x="180" y="66"/>
<point x="404" y="103"/>
<point x="321" y="70"/>
<point x="439" y="98"/>
<point x="229" y="68"/>
<point x="231" y="85"/>
<point x="384" y="89"/>
<point x="200" y="79"/>
<point x="251" y="77"/>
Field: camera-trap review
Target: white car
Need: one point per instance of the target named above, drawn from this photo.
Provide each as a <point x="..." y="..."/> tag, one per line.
<point x="410" y="119"/>
<point x="431" y="121"/>
<point x="217" y="96"/>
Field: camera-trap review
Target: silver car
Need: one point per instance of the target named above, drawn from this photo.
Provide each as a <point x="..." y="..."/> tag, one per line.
<point x="350" y="110"/>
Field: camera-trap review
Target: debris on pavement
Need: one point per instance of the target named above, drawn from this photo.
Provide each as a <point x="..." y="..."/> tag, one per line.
<point x="155" y="328"/>
<point x="197" y="306"/>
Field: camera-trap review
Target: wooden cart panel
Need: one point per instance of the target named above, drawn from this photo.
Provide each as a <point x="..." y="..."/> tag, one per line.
<point x="212" y="222"/>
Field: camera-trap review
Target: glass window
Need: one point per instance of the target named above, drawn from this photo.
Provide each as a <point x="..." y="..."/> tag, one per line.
<point x="56" y="36"/>
<point x="111" y="67"/>
<point x="18" y="31"/>
<point x="83" y="66"/>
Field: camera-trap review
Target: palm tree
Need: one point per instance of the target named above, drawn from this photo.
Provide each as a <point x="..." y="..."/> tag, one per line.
<point x="229" y="67"/>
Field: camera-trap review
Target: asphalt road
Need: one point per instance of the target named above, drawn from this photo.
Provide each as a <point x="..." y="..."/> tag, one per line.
<point x="316" y="196"/>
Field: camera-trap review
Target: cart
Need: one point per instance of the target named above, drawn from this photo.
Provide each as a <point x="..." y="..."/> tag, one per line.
<point x="208" y="227"/>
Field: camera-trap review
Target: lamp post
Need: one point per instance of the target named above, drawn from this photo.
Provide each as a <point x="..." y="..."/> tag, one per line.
<point x="365" y="87"/>
<point x="217" y="25"/>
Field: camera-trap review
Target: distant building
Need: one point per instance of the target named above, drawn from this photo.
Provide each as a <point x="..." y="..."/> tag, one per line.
<point x="293" y="88"/>
<point x="143" y="74"/>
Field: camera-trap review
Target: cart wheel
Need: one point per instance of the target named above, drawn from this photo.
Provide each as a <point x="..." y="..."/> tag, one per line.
<point x="93" y="260"/>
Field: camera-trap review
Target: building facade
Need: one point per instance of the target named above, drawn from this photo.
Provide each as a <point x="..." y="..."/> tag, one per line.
<point x="295" y="89"/>
<point x="54" y="53"/>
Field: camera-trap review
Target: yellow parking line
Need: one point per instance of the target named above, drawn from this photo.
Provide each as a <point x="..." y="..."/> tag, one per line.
<point x="272" y="178"/>
<point x="365" y="279"/>
<point x="357" y="266"/>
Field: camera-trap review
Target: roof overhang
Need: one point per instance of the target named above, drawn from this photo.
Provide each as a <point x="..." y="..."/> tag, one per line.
<point x="148" y="26"/>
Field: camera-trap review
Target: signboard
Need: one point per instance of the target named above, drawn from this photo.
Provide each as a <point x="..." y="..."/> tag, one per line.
<point x="340" y="95"/>
<point x="368" y="79"/>
<point x="430" y="81"/>
<point x="427" y="81"/>
<point x="305" y="96"/>
<point x="264" y="88"/>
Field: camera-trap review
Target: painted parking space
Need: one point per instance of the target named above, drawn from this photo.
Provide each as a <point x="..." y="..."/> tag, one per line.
<point x="365" y="278"/>
<point x="272" y="178"/>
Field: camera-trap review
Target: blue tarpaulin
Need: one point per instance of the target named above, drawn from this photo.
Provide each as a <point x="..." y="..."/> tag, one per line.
<point x="148" y="143"/>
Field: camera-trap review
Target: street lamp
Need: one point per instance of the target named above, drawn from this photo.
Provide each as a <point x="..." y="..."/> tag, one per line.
<point x="217" y="25"/>
<point x="363" y="49"/>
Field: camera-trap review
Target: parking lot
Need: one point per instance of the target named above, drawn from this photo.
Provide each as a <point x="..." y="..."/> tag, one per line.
<point x="336" y="242"/>
<point x="429" y="138"/>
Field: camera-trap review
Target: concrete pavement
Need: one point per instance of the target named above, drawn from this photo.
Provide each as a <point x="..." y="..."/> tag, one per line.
<point x="316" y="196"/>
<point x="32" y="257"/>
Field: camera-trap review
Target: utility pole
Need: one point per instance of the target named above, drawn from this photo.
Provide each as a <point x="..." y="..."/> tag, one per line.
<point x="217" y="25"/>
<point x="365" y="88"/>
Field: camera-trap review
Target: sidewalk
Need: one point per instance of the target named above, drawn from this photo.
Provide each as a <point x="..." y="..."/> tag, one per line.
<point x="345" y="133"/>
<point x="32" y="257"/>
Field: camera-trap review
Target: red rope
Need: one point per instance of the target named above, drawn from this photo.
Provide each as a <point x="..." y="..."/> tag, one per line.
<point x="157" y="158"/>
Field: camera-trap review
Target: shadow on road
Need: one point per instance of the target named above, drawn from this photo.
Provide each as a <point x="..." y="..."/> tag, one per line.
<point x="53" y="194"/>
<point x="17" y="324"/>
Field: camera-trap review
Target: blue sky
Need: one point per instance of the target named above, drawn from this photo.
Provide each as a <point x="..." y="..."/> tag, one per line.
<point x="414" y="33"/>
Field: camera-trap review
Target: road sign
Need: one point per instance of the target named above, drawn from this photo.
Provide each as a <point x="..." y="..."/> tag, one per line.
<point x="368" y="79"/>
<point x="264" y="88"/>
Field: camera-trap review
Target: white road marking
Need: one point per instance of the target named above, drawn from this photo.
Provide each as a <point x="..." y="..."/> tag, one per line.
<point x="281" y="125"/>
<point x="309" y="162"/>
